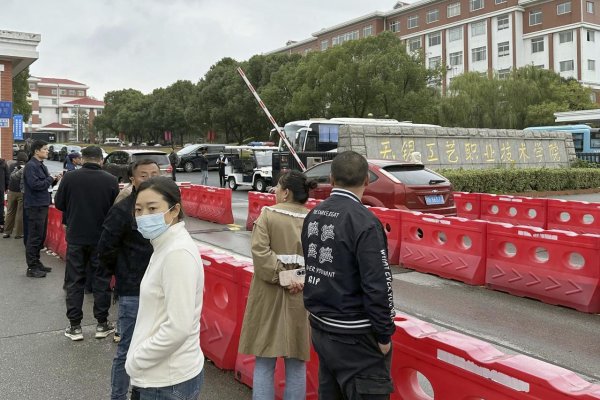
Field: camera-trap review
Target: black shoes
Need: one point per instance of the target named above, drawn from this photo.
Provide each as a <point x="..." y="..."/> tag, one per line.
<point x="45" y="269"/>
<point x="6" y="235"/>
<point x="18" y="237"/>
<point x="35" y="273"/>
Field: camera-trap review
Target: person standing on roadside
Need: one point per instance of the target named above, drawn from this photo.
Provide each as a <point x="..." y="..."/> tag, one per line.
<point x="14" y="213"/>
<point x="37" y="198"/>
<point x="222" y="162"/>
<point x="125" y="253"/>
<point x="348" y="288"/>
<point x="204" y="167"/>
<point x="173" y="160"/>
<point x="85" y="196"/>
<point x="165" y="360"/>
<point x="4" y="180"/>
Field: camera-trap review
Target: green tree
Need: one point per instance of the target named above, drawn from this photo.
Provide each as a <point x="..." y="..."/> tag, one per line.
<point x="20" y="94"/>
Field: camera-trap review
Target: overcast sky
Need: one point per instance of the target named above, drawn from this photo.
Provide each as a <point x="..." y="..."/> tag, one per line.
<point x="146" y="44"/>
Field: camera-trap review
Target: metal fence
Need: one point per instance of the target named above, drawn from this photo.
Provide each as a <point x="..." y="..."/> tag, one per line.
<point x="591" y="157"/>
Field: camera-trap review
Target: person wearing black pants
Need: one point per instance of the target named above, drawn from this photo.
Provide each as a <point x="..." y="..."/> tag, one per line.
<point x="85" y="196"/>
<point x="348" y="288"/>
<point x="222" y="162"/>
<point x="37" y="182"/>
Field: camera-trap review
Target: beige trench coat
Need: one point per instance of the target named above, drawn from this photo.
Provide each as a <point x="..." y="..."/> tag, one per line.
<point x="276" y="322"/>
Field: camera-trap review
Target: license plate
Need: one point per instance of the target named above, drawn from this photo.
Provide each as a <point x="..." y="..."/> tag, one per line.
<point x="434" y="199"/>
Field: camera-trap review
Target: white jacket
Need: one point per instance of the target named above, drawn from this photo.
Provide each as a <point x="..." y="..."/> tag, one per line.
<point x="165" y="348"/>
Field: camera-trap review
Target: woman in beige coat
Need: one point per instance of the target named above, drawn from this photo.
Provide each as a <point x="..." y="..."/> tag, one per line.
<point x="276" y="323"/>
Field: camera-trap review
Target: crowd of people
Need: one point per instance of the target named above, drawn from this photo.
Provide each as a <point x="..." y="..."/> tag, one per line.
<point x="320" y="276"/>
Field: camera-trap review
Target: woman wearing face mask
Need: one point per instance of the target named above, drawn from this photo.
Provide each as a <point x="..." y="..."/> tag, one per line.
<point x="164" y="360"/>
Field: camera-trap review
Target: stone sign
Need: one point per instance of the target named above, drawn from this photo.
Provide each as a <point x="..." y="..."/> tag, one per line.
<point x="461" y="148"/>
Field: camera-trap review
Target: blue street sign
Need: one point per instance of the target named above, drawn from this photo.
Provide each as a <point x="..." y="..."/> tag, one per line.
<point x="5" y="109"/>
<point x="18" y="127"/>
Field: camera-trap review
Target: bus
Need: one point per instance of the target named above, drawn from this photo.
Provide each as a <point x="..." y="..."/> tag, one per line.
<point x="585" y="138"/>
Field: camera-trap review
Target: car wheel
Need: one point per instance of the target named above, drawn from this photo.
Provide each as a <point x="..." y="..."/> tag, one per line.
<point x="232" y="184"/>
<point x="188" y="166"/>
<point x="260" y="185"/>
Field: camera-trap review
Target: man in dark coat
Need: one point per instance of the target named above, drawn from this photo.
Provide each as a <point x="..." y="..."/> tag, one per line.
<point x="4" y="178"/>
<point x="86" y="195"/>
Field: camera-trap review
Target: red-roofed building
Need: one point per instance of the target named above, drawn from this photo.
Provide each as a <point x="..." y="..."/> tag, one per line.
<point x="56" y="101"/>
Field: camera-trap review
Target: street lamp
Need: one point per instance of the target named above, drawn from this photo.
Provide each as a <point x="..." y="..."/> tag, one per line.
<point x="77" y="123"/>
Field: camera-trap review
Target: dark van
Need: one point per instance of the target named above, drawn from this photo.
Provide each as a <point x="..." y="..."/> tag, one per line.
<point x="189" y="156"/>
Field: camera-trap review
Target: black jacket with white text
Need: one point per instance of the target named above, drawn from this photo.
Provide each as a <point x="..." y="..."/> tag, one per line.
<point x="348" y="286"/>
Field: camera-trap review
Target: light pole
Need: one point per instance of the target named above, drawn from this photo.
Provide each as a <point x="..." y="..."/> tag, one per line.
<point x="77" y="123"/>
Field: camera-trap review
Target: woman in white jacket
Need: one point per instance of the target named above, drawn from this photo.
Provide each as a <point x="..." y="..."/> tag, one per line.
<point x="164" y="359"/>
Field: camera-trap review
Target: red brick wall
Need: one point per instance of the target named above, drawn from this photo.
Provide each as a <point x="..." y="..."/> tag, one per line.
<point x="6" y="95"/>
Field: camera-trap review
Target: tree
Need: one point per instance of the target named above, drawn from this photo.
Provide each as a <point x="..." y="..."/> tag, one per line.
<point x="20" y="94"/>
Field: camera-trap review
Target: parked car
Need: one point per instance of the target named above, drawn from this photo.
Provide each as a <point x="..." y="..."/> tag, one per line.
<point x="392" y="184"/>
<point x="118" y="161"/>
<point x="189" y="157"/>
<point x="113" y="142"/>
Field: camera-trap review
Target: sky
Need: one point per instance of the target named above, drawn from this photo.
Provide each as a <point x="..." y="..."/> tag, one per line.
<point x="147" y="44"/>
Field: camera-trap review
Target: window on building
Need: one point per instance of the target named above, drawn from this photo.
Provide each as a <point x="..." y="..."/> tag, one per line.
<point x="435" y="62"/>
<point x="334" y="41"/>
<point x="98" y="112"/>
<point x="80" y="93"/>
<point x="591" y="65"/>
<point x="503" y="49"/>
<point x="566" y="66"/>
<point x="32" y="86"/>
<point x="503" y="73"/>
<point x="435" y="39"/>
<point x="395" y="26"/>
<point x="72" y="92"/>
<point x="54" y="92"/>
<point x="535" y="18"/>
<point x="368" y="31"/>
<point x="413" y="21"/>
<point x="455" y="34"/>
<point x="324" y="45"/>
<point x="563" y="8"/>
<point x="433" y="16"/>
<point x="590" y="36"/>
<point x="537" y="45"/>
<point x="539" y="66"/>
<point x="478" y="54"/>
<point x="478" y="28"/>
<point x="414" y="44"/>
<point x="63" y="92"/>
<point x="453" y="10"/>
<point x="564" y="37"/>
<point x="503" y="22"/>
<point x="500" y="1"/>
<point x="54" y="102"/>
<point x="306" y="51"/>
<point x="456" y="58"/>
<point x="589" y="7"/>
<point x="475" y="5"/>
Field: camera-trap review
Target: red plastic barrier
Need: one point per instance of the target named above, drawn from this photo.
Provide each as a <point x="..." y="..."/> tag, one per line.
<point x="451" y="247"/>
<point x="556" y="267"/>
<point x="576" y="216"/>
<point x="513" y="210"/>
<point x="214" y="205"/>
<point x="468" y="205"/>
<point x="459" y="367"/>
<point x="189" y="200"/>
<point x="256" y="202"/>
<point x="221" y="314"/>
<point x="312" y="203"/>
<point x="391" y="220"/>
<point x="244" y="364"/>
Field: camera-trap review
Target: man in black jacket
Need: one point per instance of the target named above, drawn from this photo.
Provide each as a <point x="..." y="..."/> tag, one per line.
<point x="125" y="253"/>
<point x="4" y="178"/>
<point x="85" y="196"/>
<point x="37" y="184"/>
<point x="348" y="288"/>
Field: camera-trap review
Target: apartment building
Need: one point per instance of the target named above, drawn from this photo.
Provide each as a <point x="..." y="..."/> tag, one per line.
<point x="488" y="36"/>
<point x="54" y="103"/>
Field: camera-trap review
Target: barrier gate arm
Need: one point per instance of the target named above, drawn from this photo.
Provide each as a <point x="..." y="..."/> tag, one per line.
<point x="264" y="108"/>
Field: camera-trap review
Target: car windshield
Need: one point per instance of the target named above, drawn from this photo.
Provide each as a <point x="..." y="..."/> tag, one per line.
<point x="187" y="150"/>
<point x="160" y="159"/>
<point x="263" y="158"/>
<point x="414" y="175"/>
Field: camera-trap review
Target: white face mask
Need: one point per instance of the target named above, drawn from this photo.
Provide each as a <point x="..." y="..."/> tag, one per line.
<point x="152" y="226"/>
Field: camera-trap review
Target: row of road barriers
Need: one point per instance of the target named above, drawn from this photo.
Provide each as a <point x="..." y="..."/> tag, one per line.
<point x="555" y="266"/>
<point x="455" y="365"/>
